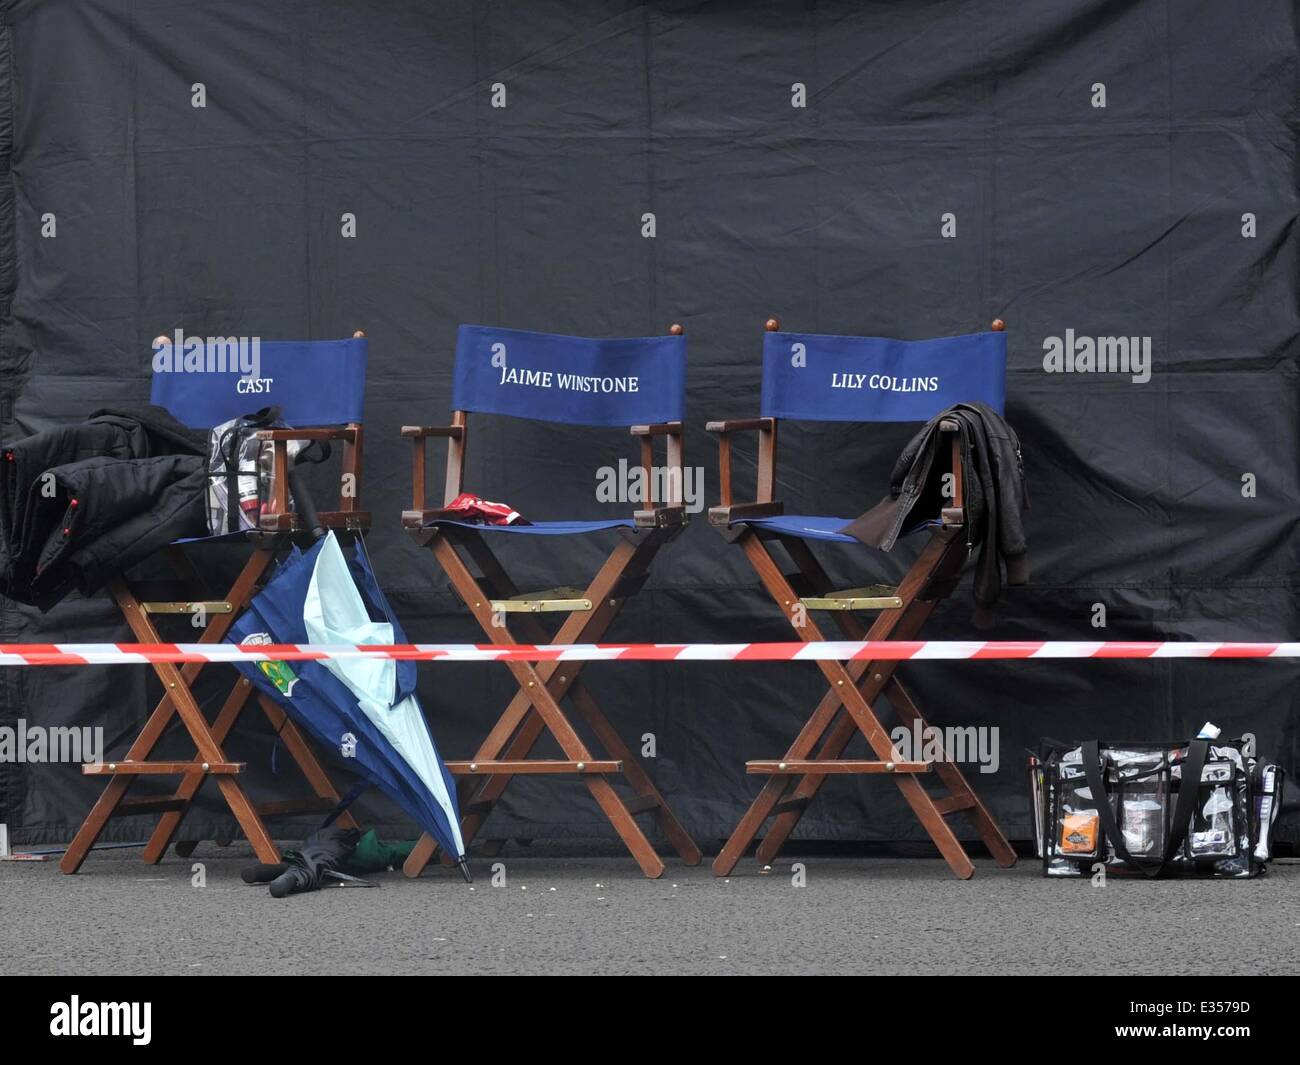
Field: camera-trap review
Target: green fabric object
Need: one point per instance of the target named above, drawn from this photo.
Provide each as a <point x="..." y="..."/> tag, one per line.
<point x="375" y="855"/>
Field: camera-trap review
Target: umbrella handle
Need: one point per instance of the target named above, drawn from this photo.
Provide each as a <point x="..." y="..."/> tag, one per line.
<point x="284" y="884"/>
<point x="263" y="874"/>
<point x="304" y="503"/>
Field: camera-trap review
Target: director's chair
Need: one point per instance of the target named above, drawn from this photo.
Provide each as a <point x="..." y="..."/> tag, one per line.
<point x="636" y="382"/>
<point x="319" y="387"/>
<point x="808" y="377"/>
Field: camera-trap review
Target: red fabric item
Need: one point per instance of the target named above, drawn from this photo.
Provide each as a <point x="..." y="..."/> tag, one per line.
<point x="472" y="508"/>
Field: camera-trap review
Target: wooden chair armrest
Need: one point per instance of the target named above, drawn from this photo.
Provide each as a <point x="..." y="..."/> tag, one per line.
<point x="766" y="484"/>
<point x="279" y="517"/>
<point x="725" y="515"/>
<point x="279" y="483"/>
<point x="420" y="517"/>
<point x="456" y="437"/>
<point x="669" y="511"/>
<point x="453" y="432"/>
<point x="661" y="429"/>
<point x="954" y="514"/>
<point x="342" y="432"/>
<point x="737" y="425"/>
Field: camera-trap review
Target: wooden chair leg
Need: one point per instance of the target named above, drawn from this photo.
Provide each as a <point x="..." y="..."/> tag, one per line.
<point x="574" y="749"/>
<point x="255" y="831"/>
<point x="651" y="798"/>
<point x="750" y="825"/>
<point x="176" y="686"/>
<point x="804" y="790"/>
<point x="906" y="628"/>
<point x="587" y="631"/>
<point x="299" y="750"/>
<point x="420" y="856"/>
<point x="482" y="799"/>
<point x="493" y="848"/>
<point x="917" y="797"/>
<point x="535" y="686"/>
<point x="843" y="683"/>
<point x="190" y="784"/>
<point x="626" y="827"/>
<point x="794" y="797"/>
<point x="210" y="751"/>
<point x="115" y="791"/>
<point x="105" y="806"/>
<point x="870" y="684"/>
<point x="773" y="790"/>
<point x="515" y="727"/>
<point x="517" y="731"/>
<point x="648" y="796"/>
<point x="955" y="781"/>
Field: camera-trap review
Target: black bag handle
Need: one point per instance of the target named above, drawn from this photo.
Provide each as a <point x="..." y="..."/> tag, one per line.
<point x="1193" y="764"/>
<point x="229" y="447"/>
<point x="230" y="457"/>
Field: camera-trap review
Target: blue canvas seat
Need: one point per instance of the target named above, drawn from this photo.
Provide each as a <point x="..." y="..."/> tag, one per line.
<point x="811" y="527"/>
<point x="814" y="377"/>
<point x="636" y="383"/>
<point x="319" y="387"/>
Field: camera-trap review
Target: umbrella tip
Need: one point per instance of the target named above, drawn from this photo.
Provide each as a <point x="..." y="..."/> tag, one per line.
<point x="463" y="866"/>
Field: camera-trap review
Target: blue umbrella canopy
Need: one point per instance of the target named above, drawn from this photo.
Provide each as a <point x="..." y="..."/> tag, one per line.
<point x="366" y="708"/>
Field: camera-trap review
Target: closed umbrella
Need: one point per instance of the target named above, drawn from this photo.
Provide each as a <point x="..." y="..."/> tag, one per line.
<point x="368" y="708"/>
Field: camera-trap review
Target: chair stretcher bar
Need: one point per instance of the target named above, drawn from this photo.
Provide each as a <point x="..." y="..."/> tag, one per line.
<point x="800" y="766"/>
<point x="106" y="769"/>
<point x="539" y="766"/>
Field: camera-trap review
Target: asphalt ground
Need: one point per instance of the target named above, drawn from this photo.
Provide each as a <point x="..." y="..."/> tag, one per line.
<point x="552" y="912"/>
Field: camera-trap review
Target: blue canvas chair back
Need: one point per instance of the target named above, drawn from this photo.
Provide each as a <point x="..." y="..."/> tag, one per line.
<point x="813" y="377"/>
<point x="212" y="380"/>
<point x="574" y="380"/>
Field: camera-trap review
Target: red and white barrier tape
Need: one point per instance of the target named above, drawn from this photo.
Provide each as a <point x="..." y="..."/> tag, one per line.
<point x="116" y="654"/>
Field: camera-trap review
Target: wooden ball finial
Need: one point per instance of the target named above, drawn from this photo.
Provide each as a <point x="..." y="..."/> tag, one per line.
<point x="359" y="335"/>
<point x="773" y="325"/>
<point x="999" y="325"/>
<point x="676" y="329"/>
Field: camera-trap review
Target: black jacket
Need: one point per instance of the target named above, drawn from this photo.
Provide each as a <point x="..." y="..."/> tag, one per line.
<point x="994" y="490"/>
<point x="80" y="503"/>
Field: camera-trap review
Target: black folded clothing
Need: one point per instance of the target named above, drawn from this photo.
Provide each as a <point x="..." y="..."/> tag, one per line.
<point x="80" y="503"/>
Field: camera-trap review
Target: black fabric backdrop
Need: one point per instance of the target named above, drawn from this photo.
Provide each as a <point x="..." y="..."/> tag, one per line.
<point x="1124" y="220"/>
